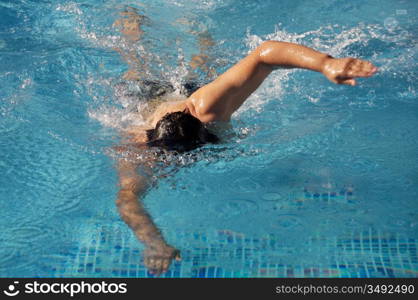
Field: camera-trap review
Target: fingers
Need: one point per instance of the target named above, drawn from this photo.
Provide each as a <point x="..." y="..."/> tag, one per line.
<point x="351" y="82"/>
<point x="177" y="255"/>
<point x="157" y="265"/>
<point x="354" y="68"/>
<point x="158" y="261"/>
<point x="154" y="265"/>
<point x="165" y="265"/>
<point x="160" y="266"/>
<point x="360" y="68"/>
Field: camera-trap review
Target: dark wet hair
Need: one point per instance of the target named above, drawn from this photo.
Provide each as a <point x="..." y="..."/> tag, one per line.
<point x="181" y="132"/>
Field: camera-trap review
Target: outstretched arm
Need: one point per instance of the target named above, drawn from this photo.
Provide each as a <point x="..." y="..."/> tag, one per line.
<point x="217" y="100"/>
<point x="158" y="254"/>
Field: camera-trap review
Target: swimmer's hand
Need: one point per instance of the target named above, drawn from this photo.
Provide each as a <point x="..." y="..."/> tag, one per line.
<point x="158" y="258"/>
<point x="345" y="70"/>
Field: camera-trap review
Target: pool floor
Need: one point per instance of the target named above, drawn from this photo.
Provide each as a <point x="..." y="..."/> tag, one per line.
<point x="107" y="248"/>
<point x="111" y="251"/>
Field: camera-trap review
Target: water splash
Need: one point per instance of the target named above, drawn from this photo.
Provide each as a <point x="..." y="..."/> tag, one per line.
<point x="367" y="41"/>
<point x="115" y="103"/>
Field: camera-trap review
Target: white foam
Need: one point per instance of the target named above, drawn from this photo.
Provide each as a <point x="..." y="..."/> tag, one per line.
<point x="70" y="7"/>
<point x="200" y="5"/>
<point x="26" y="83"/>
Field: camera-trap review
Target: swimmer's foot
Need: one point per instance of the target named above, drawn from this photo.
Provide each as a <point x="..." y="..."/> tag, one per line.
<point x="204" y="60"/>
<point x="158" y="259"/>
<point x="130" y="24"/>
<point x="345" y="70"/>
<point x="132" y="75"/>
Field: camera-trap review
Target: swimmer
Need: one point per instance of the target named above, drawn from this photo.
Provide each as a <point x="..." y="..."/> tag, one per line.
<point x="182" y="125"/>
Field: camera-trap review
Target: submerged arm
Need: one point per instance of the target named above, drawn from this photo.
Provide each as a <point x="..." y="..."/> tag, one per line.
<point x="158" y="254"/>
<point x="217" y="100"/>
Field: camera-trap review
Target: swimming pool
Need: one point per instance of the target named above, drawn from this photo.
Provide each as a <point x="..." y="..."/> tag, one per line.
<point x="318" y="181"/>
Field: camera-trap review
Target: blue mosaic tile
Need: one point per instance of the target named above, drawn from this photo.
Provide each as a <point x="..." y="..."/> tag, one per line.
<point x="358" y="254"/>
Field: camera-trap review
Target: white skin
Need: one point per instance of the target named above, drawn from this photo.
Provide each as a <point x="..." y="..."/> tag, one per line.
<point x="216" y="102"/>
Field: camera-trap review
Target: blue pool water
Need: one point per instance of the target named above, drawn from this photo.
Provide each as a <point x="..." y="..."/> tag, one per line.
<point x="319" y="180"/>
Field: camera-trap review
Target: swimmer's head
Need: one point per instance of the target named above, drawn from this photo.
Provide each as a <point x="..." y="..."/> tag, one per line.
<point x="181" y="132"/>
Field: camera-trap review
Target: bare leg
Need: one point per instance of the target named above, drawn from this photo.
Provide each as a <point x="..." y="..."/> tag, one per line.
<point x="203" y="60"/>
<point x="130" y="26"/>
